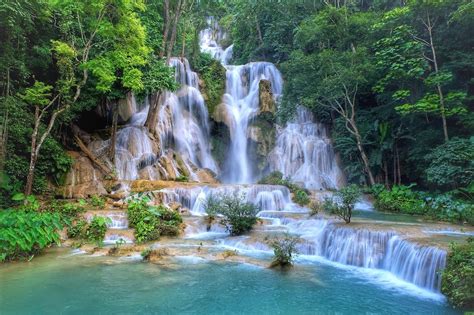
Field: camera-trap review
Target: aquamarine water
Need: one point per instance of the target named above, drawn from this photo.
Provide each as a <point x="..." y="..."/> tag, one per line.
<point x="61" y="284"/>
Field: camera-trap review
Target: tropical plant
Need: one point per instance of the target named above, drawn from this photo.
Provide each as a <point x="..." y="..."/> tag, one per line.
<point x="96" y="229"/>
<point x="77" y="229"/>
<point x="458" y="276"/>
<point x="239" y="216"/>
<point x="25" y="233"/>
<point x="284" y="250"/>
<point x="343" y="201"/>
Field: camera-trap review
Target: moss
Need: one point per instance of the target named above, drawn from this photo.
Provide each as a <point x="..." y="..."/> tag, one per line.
<point x="458" y="277"/>
<point x="212" y="75"/>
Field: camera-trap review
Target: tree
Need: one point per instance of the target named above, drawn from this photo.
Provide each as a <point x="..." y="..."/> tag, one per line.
<point x="239" y="215"/>
<point x="103" y="38"/>
<point x="451" y="164"/>
<point x="343" y="201"/>
<point x="284" y="249"/>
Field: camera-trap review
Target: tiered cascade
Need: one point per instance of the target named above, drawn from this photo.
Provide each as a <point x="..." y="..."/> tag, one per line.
<point x="183" y="129"/>
<point x="304" y="154"/>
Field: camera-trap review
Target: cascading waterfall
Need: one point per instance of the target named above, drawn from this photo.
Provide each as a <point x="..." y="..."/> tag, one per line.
<point x="241" y="100"/>
<point x="242" y="103"/>
<point x="383" y="250"/>
<point x="266" y="197"/>
<point x="304" y="154"/>
<point x="210" y="40"/>
<point x="183" y="127"/>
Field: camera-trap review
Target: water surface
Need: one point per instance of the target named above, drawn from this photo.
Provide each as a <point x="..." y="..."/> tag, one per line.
<point x="61" y="284"/>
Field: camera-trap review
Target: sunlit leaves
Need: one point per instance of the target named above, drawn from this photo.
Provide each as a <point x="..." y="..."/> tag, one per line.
<point x="38" y="95"/>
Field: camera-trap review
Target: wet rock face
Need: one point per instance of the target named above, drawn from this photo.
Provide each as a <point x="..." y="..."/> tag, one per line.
<point x="83" y="180"/>
<point x="266" y="99"/>
<point x="126" y="108"/>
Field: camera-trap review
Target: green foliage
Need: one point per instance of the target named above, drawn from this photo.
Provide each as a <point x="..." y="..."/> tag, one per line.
<point x="152" y="221"/>
<point x="451" y="165"/>
<point x="284" y="250"/>
<point x="96" y="229"/>
<point x="68" y="210"/>
<point x="458" y="276"/>
<point x="239" y="215"/>
<point x="182" y="178"/>
<point x="77" y="229"/>
<point x="97" y="201"/>
<point x="301" y="198"/>
<point x="400" y="199"/>
<point x="343" y="201"/>
<point x="300" y="195"/>
<point x="213" y="75"/>
<point x="26" y="233"/>
<point x="443" y="207"/>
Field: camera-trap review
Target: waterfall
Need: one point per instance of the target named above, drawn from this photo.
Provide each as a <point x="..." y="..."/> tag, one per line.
<point x="266" y="197"/>
<point x="242" y="104"/>
<point x="183" y="128"/>
<point x="210" y="40"/>
<point x="383" y="250"/>
<point x="304" y="154"/>
<point x="241" y="100"/>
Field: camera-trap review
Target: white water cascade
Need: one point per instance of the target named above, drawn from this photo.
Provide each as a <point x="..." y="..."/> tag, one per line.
<point x="304" y="154"/>
<point x="241" y="100"/>
<point x="242" y="104"/>
<point x="319" y="237"/>
<point x="182" y="126"/>
<point x="210" y="40"/>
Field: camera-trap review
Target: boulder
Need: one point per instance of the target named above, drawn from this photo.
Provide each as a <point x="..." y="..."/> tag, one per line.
<point x="83" y="180"/>
<point x="266" y="101"/>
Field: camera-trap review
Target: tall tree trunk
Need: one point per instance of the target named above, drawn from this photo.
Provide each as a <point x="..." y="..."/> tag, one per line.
<point x="429" y="26"/>
<point x="172" y="40"/>
<point x="152" y="117"/>
<point x="183" y="43"/>
<point x="113" y="132"/>
<point x="33" y="156"/>
<point x="363" y="155"/>
<point x="166" y="9"/>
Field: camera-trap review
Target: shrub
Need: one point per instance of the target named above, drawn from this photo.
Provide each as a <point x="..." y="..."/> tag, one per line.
<point x="284" y="249"/>
<point x="458" y="276"/>
<point x="97" y="228"/>
<point x="212" y="74"/>
<point x="152" y="221"/>
<point x="68" y="210"/>
<point x="182" y="178"/>
<point x="446" y="208"/>
<point x="25" y="233"/>
<point x="146" y="231"/>
<point x="343" y="201"/>
<point x="239" y="215"/>
<point x="97" y="201"/>
<point x="301" y="198"/>
<point x="276" y="178"/>
<point x="400" y="199"/>
<point x="451" y="164"/>
<point x="77" y="229"/>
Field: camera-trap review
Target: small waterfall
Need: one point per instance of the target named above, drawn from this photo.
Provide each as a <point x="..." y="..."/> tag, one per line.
<point x="384" y="250"/>
<point x="183" y="127"/>
<point x="266" y="197"/>
<point x="304" y="153"/>
<point x="210" y="40"/>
